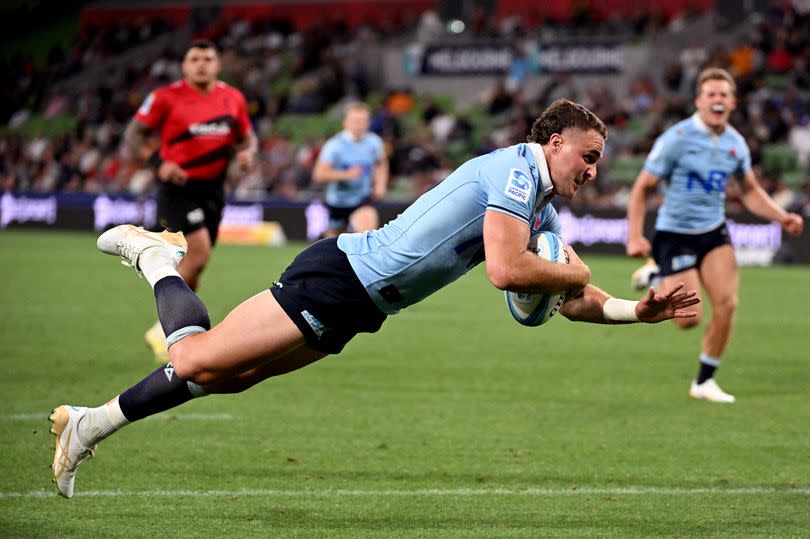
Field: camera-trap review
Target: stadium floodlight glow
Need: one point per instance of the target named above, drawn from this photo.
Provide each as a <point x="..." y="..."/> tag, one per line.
<point x="455" y="26"/>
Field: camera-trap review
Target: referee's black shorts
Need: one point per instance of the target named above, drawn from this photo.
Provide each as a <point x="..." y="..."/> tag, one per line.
<point x="322" y="295"/>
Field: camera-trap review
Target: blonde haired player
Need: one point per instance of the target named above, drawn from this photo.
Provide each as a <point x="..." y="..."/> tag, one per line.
<point x="695" y="158"/>
<point x="354" y="168"/>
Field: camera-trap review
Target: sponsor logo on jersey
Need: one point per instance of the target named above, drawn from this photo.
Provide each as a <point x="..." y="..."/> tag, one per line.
<point x="146" y="106"/>
<point x="715" y="180"/>
<point x="213" y="128"/>
<point x="518" y="186"/>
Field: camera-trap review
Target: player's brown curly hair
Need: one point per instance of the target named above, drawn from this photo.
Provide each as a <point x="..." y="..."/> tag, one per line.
<point x="563" y="114"/>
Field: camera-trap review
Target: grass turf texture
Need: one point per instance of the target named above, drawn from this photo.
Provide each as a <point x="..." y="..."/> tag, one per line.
<point x="452" y="421"/>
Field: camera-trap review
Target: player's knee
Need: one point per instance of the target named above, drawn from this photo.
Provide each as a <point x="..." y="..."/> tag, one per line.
<point x="726" y="305"/>
<point x="688" y="323"/>
<point x="198" y="260"/>
<point x="228" y="387"/>
<point x="187" y="365"/>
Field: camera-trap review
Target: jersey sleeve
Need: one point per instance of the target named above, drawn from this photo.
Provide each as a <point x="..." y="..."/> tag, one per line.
<point x="329" y="152"/>
<point x="744" y="160"/>
<point x="242" y="118"/>
<point x="153" y="110"/>
<point x="662" y="157"/>
<point x="379" y="149"/>
<point x="509" y="186"/>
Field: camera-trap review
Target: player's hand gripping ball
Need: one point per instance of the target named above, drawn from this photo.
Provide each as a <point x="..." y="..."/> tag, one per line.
<point x="537" y="309"/>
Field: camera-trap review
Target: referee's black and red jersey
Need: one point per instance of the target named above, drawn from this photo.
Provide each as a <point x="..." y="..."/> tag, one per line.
<point x="197" y="131"/>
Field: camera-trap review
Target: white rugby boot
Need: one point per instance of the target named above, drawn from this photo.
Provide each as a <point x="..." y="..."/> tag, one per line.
<point x="129" y="242"/>
<point x="643" y="277"/>
<point x="710" y="391"/>
<point x="69" y="451"/>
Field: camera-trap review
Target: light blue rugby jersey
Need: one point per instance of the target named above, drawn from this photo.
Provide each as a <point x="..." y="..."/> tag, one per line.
<point x="342" y="151"/>
<point x="696" y="164"/>
<point x="440" y="237"/>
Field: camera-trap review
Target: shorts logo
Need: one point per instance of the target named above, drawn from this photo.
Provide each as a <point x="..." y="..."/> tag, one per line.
<point x="147" y="104"/>
<point x="682" y="262"/>
<point x="518" y="186"/>
<point x="195" y="216"/>
<point x="314" y="323"/>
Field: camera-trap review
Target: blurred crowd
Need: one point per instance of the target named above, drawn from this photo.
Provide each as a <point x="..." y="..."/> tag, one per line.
<point x="284" y="73"/>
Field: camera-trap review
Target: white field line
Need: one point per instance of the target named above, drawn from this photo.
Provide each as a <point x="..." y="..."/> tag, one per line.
<point x="428" y="493"/>
<point x="179" y="417"/>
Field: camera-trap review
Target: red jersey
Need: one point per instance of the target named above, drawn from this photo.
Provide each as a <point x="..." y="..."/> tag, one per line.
<point x="197" y="131"/>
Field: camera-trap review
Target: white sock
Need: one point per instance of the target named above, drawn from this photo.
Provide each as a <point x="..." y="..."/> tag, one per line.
<point x="99" y="423"/>
<point x="155" y="264"/>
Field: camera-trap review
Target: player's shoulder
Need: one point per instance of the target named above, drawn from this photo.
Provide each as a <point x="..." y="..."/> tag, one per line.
<point x="330" y="147"/>
<point x="171" y="88"/>
<point x="335" y="139"/>
<point x="679" y="130"/>
<point x="734" y="135"/>
<point x="225" y="88"/>
<point x="373" y="137"/>
<point x="514" y="155"/>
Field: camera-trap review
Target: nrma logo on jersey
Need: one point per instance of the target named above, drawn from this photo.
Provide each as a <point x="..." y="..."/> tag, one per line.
<point x="518" y="186"/>
<point x="715" y="181"/>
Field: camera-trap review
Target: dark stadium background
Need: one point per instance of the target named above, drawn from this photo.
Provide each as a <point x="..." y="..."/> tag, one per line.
<point x="448" y="80"/>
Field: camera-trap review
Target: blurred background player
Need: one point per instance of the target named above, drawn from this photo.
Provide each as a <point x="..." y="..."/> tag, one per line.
<point x="202" y="122"/>
<point x="354" y="167"/>
<point x="695" y="158"/>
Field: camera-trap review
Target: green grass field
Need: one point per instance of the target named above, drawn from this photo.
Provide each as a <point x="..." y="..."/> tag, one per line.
<point x="453" y="421"/>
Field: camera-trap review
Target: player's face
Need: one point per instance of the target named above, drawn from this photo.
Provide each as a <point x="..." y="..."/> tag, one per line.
<point x="715" y="103"/>
<point x="572" y="160"/>
<point x="201" y="67"/>
<point x="357" y="122"/>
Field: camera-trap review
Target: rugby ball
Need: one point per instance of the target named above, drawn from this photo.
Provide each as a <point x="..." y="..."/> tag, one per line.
<point x="537" y="309"/>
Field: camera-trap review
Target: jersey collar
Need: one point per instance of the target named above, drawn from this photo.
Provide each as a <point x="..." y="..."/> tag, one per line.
<point x="345" y="135"/>
<point x="702" y="127"/>
<point x="546" y="187"/>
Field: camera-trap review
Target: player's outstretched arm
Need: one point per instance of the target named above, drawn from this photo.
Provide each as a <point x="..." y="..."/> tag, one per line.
<point x="597" y="306"/>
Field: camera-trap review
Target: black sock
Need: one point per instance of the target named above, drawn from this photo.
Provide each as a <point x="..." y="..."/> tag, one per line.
<point x="181" y="313"/>
<point x="706" y="371"/>
<point x="159" y="391"/>
<point x="179" y="308"/>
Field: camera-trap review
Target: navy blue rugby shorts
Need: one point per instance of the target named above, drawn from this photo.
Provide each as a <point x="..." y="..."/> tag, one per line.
<point x="322" y="295"/>
<point x="190" y="207"/>
<point x="675" y="252"/>
<point x="339" y="215"/>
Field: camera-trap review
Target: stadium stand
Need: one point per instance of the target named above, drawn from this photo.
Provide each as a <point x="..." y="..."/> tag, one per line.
<point x="64" y="114"/>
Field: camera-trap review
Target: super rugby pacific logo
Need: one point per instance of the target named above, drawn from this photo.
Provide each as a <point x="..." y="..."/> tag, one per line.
<point x="518" y="185"/>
